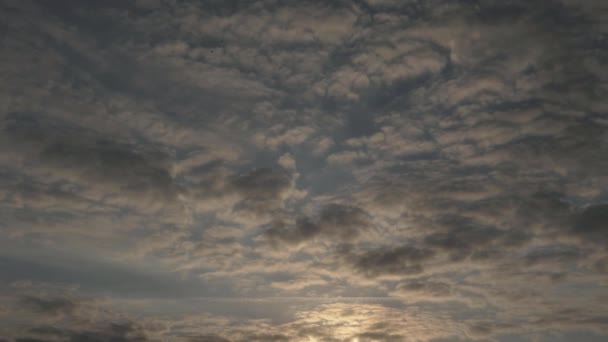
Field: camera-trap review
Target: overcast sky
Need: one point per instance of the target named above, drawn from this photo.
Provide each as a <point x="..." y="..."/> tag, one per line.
<point x="340" y="171"/>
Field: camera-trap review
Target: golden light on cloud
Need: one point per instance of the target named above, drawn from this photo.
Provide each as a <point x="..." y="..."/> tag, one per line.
<point x="348" y="322"/>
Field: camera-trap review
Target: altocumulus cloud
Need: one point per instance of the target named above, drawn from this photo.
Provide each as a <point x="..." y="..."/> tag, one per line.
<point x="370" y="170"/>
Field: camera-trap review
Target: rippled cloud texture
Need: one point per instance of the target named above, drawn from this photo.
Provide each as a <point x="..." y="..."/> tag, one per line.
<point x="356" y="171"/>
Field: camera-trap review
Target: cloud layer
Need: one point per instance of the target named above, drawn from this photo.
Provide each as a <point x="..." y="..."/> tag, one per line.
<point x="370" y="170"/>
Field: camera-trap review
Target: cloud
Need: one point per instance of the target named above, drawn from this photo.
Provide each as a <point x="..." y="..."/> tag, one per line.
<point x="73" y="318"/>
<point x="49" y="306"/>
<point x="430" y="288"/>
<point x="379" y="336"/>
<point x="261" y="191"/>
<point x="462" y="237"/>
<point x="592" y="222"/>
<point x="552" y="254"/>
<point x="287" y="162"/>
<point x="388" y="260"/>
<point x="108" y="171"/>
<point x="290" y="137"/>
<point x="254" y="196"/>
<point x="268" y="337"/>
<point x="345" y="157"/>
<point x="304" y="230"/>
<point x="122" y="332"/>
<point x="369" y="170"/>
<point x="261" y="184"/>
<point x="343" y="221"/>
<point x="208" y="338"/>
<point x="335" y="222"/>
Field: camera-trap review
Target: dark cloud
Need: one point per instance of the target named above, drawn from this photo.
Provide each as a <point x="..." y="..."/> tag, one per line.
<point x="343" y="222"/>
<point x="401" y="260"/>
<point x="262" y="190"/>
<point x="431" y="288"/>
<point x="335" y="222"/>
<point x="119" y="332"/>
<point x="49" y="306"/>
<point x="592" y="223"/>
<point x="379" y="336"/>
<point x="75" y="319"/>
<point x="481" y="329"/>
<point x="208" y="338"/>
<point x="47" y="331"/>
<point x="601" y="265"/>
<point x="304" y="230"/>
<point x="262" y="184"/>
<point x="462" y="237"/>
<point x="267" y="337"/>
<point x="549" y="254"/>
<point x="83" y="157"/>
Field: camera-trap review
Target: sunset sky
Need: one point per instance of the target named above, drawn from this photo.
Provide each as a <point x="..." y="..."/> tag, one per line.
<point x="303" y="171"/>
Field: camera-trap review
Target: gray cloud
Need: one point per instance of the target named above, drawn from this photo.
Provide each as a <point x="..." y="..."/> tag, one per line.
<point x="109" y="169"/>
<point x="435" y="289"/>
<point x="261" y="190"/>
<point x="433" y="153"/>
<point x="73" y="318"/>
<point x="335" y="222"/>
<point x="208" y="338"/>
<point x="304" y="230"/>
<point x="121" y="332"/>
<point x="49" y="306"/>
<point x="401" y="260"/>
<point x="592" y="222"/>
<point x="552" y="254"/>
<point x="379" y="336"/>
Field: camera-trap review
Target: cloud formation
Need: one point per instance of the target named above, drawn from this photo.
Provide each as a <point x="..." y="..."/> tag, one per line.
<point x="335" y="223"/>
<point x="371" y="170"/>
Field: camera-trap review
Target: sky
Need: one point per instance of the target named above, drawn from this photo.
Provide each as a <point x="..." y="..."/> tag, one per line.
<point x="303" y="171"/>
